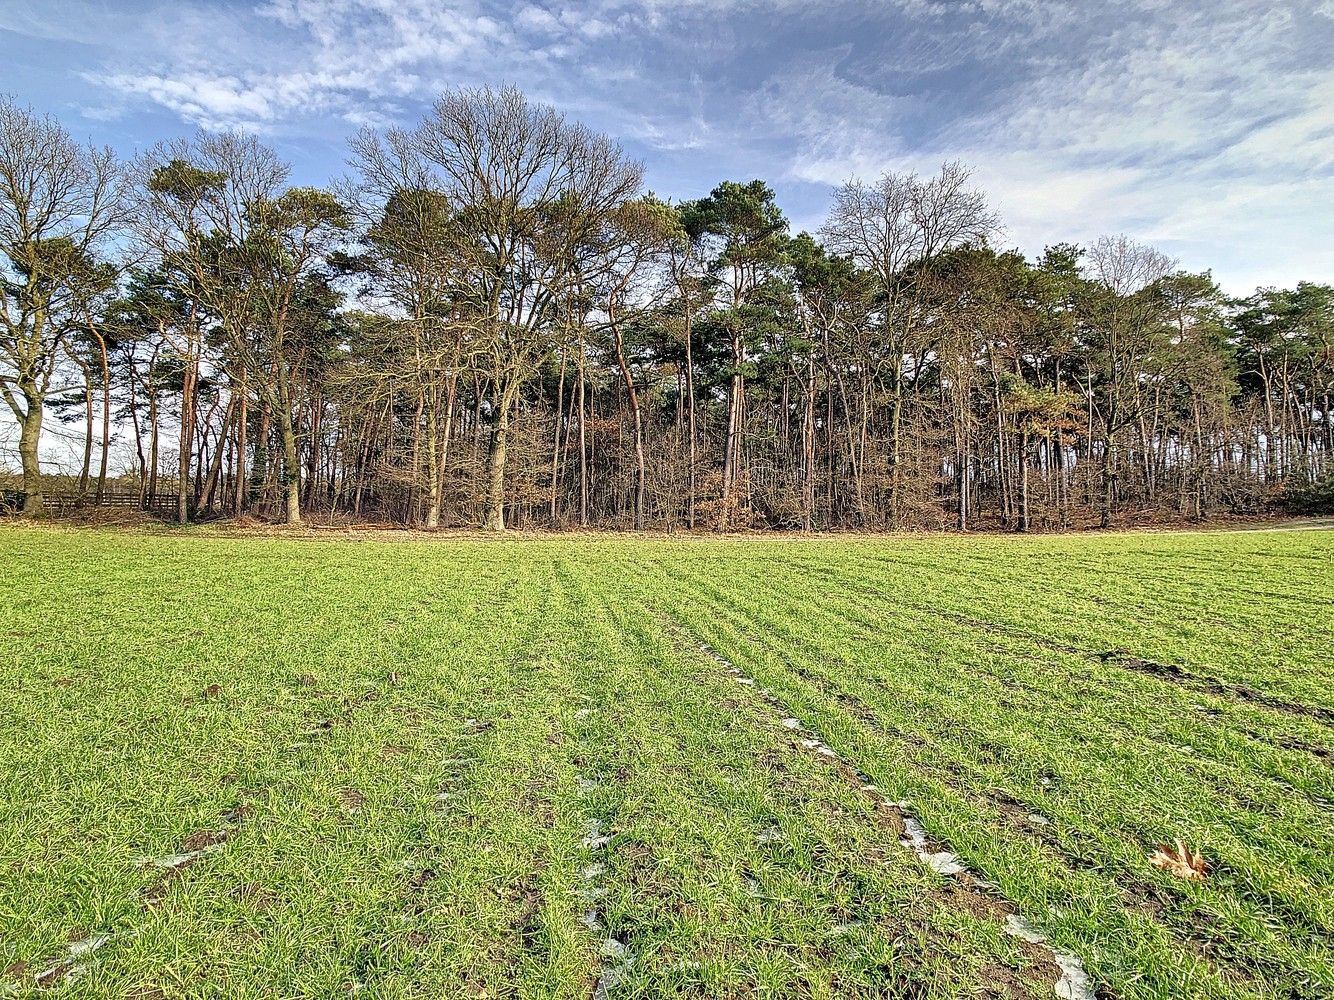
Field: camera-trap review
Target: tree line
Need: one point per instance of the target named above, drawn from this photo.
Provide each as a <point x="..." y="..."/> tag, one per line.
<point x="489" y="322"/>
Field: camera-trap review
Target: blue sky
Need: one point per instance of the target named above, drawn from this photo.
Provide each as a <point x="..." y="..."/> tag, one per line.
<point x="1206" y="128"/>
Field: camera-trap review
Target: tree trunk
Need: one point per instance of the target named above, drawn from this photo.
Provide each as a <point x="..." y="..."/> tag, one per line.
<point x="30" y="432"/>
<point x="583" y="442"/>
<point x="85" y="473"/>
<point x="242" y="419"/>
<point x="1023" y="480"/>
<point x="186" y="440"/>
<point x="690" y="423"/>
<point x="153" y="439"/>
<point x="555" y="437"/>
<point x="808" y="448"/>
<point x="106" y="416"/>
<point x="732" y="445"/>
<point x="215" y="466"/>
<point x="291" y="478"/>
<point x="896" y="446"/>
<point x="495" y="491"/>
<point x="638" y="419"/>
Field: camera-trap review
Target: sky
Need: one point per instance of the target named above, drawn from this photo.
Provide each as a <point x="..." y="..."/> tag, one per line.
<point x="1205" y="127"/>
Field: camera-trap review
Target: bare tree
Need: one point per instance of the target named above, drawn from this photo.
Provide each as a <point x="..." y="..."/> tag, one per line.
<point x="530" y="189"/>
<point x="890" y="228"/>
<point x="60" y="206"/>
<point x="412" y="262"/>
<point x="638" y="235"/>
<point x="1122" y="316"/>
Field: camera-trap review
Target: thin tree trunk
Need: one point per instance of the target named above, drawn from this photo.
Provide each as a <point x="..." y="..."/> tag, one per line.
<point x="636" y="415"/>
<point x="242" y="428"/>
<point x="215" y="466"/>
<point x="496" y="456"/>
<point x="583" y="441"/>
<point x="106" y="416"/>
<point x="555" y="438"/>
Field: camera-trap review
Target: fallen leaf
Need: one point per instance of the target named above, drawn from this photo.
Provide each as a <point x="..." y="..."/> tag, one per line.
<point x="1180" y="861"/>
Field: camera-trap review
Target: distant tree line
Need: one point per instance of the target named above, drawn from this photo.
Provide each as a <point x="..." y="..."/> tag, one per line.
<point x="491" y="323"/>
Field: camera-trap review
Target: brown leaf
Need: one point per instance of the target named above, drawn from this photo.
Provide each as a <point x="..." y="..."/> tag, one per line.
<point x="212" y="691"/>
<point x="1180" y="861"/>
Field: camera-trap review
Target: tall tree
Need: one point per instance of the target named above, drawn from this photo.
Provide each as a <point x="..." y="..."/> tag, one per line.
<point x="530" y="188"/>
<point x="1123" y="314"/>
<point x="747" y="233"/>
<point x="60" y="206"/>
<point x="890" y="228"/>
<point x="637" y="236"/>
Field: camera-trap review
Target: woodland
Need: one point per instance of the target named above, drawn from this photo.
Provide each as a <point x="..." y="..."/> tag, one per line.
<point x="490" y="322"/>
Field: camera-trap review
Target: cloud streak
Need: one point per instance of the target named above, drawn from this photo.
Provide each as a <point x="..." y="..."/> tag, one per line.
<point x="1205" y="125"/>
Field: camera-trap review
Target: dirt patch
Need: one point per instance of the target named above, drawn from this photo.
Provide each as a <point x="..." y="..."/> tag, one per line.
<point x="192" y="848"/>
<point x="255" y="895"/>
<point x="1212" y="685"/>
<point x="1018" y="814"/>
<point x="1295" y="743"/>
<point x="350" y="800"/>
<point x="1004" y="982"/>
<point x="528" y="922"/>
<point x="242" y="811"/>
<point x="201" y="839"/>
<point x="536" y="801"/>
<point x="1123" y="658"/>
<point x="421" y="879"/>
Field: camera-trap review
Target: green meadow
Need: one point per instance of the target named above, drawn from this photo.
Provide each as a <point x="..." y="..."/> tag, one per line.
<point x="617" y="767"/>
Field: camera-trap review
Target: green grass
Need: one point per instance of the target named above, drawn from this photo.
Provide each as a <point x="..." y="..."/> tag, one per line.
<point x="423" y="737"/>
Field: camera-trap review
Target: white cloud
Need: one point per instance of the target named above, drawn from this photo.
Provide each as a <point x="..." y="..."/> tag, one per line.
<point x="538" y="19"/>
<point x="1209" y="129"/>
<point x="1206" y="124"/>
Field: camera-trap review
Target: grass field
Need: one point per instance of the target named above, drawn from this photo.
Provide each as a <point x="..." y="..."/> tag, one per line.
<point x="265" y="767"/>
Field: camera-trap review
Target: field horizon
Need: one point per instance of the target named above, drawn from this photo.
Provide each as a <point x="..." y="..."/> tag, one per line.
<point x="1089" y="765"/>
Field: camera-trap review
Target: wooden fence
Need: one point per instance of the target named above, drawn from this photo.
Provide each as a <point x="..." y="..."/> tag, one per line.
<point x="63" y="501"/>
